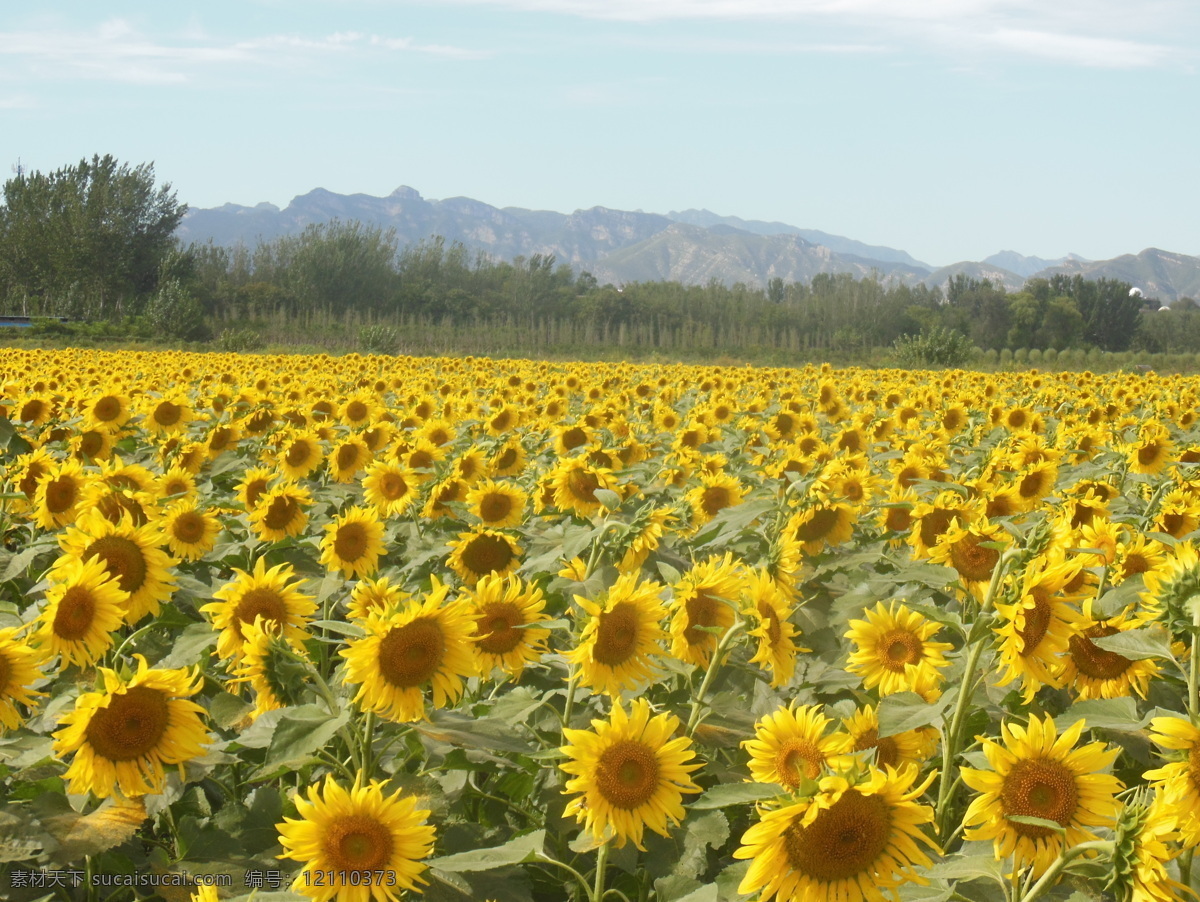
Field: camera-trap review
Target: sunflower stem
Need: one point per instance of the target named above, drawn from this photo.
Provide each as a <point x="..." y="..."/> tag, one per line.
<point x="1049" y="878"/>
<point x="572" y="685"/>
<point x="601" y="867"/>
<point x="952" y="738"/>
<point x="367" y="737"/>
<point x="713" y="664"/>
<point x="546" y="859"/>
<point x="1193" y="700"/>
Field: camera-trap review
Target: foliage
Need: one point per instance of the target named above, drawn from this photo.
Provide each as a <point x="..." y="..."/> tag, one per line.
<point x="174" y="313"/>
<point x="240" y="340"/>
<point x="378" y="340"/>
<point x="936" y="347"/>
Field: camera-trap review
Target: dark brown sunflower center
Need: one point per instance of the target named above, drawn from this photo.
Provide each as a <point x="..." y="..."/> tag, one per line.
<point x="616" y="635"/>
<point x="1134" y="563"/>
<point x="1148" y="454"/>
<point x="220" y="438"/>
<point x="1173" y="524"/>
<point x="29" y="482"/>
<point x="573" y="438"/>
<point x="107" y="409"/>
<point x="582" y="485"/>
<point x="411" y="654"/>
<point x="898" y="519"/>
<point x="262" y="602"/>
<point x="1034" y="485"/>
<point x="627" y="774"/>
<point x="356" y="411"/>
<point x="887" y="752"/>
<point x="357" y="842"/>
<point x="346" y="457"/>
<point x="254" y="491"/>
<point x="499" y="628"/>
<point x="1093" y="661"/>
<point x="798" y="759"/>
<point x="6" y="672"/>
<point x="843" y="842"/>
<point x="76" y="611"/>
<point x="487" y="554"/>
<point x="281" y="512"/>
<point x="898" y="648"/>
<point x="702" y="611"/>
<point x="934" y="525"/>
<point x="1037" y="621"/>
<point x="771" y="620"/>
<point x="298" y="454"/>
<point x="392" y="486"/>
<point x="715" y="499"/>
<point x="818" y="526"/>
<point x="972" y="560"/>
<point x="351" y="541"/>
<point x="91" y="443"/>
<point x="167" y="414"/>
<point x="188" y="528"/>
<point x="123" y="558"/>
<point x="131" y="726"/>
<point x="1039" y="787"/>
<point x="495" y="506"/>
<point x="507" y="458"/>
<point x="61" y="494"/>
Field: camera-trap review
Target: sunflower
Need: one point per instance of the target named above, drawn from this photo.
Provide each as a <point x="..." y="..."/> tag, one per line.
<point x="1037" y="627"/>
<point x="190" y="532"/>
<point x="716" y="492"/>
<point x="167" y="415"/>
<point x="373" y="595"/>
<point x="506" y="612"/>
<point x="793" y="745"/>
<point x="359" y="410"/>
<point x="893" y="651"/>
<point x="822" y="523"/>
<point x="703" y="600"/>
<point x="631" y="772"/>
<point x="59" y="494"/>
<point x="965" y="548"/>
<point x="1178" y="781"/>
<point x="844" y="842"/>
<point x="131" y="554"/>
<point x="425" y="643"/>
<point x="270" y="594"/>
<point x="575" y="482"/>
<point x="123" y="736"/>
<point x="262" y="650"/>
<point x="508" y="459"/>
<point x="621" y="632"/>
<point x="348" y="457"/>
<point x="910" y="747"/>
<point x="176" y="483"/>
<point x="1095" y="672"/>
<point x="85" y="606"/>
<point x="280" y="512"/>
<point x="1037" y="773"/>
<point x="299" y="456"/>
<point x="92" y="445"/>
<point x="353" y="543"/>
<point x="1151" y="452"/>
<point x="390" y="487"/>
<point x="769" y="607"/>
<point x="482" y="552"/>
<point x="1034" y="482"/>
<point x="253" y="486"/>
<point x="357" y="845"/>
<point x="18" y="671"/>
<point x="449" y="491"/>
<point x="109" y="411"/>
<point x="497" y="504"/>
<point x="932" y="520"/>
<point x="643" y="536"/>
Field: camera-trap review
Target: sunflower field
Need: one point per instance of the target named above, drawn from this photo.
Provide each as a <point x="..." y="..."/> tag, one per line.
<point x="378" y="628"/>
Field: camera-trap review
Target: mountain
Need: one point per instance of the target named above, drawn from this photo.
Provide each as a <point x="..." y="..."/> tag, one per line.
<point x="1159" y="274"/>
<point x="694" y="255"/>
<point x="1027" y="266"/>
<point x="691" y="246"/>
<point x="836" y="243"/>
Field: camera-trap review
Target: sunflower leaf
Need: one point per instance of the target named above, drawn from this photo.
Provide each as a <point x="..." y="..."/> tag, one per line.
<point x="298" y="734"/>
<point x="725" y="794"/>
<point x="515" y="851"/>
<point x="1137" y="645"/>
<point x="190" y="645"/>
<point x="1036" y="822"/>
<point x="906" y="711"/>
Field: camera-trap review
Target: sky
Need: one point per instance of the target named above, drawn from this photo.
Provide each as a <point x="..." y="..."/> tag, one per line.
<point x="951" y="129"/>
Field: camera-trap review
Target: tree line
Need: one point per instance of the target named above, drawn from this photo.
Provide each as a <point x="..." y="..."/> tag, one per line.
<point x="95" y="241"/>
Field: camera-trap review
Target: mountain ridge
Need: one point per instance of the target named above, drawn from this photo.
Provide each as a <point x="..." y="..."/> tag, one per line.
<point x="691" y="246"/>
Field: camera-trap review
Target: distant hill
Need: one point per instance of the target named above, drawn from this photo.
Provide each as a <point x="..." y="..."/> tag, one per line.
<point x="691" y="246"/>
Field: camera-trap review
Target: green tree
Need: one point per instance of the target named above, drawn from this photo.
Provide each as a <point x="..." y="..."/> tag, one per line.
<point x="99" y="229"/>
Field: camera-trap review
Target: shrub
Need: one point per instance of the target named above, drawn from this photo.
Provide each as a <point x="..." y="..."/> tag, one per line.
<point x="1005" y="357"/>
<point x="1021" y="356"/>
<point x="236" y="341"/>
<point x="1035" y="356"/>
<point x="1050" y="355"/>
<point x="173" y="313"/>
<point x="935" y="347"/>
<point x="378" y="340"/>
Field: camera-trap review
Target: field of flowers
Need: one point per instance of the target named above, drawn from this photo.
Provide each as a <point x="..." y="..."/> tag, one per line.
<point x="370" y="628"/>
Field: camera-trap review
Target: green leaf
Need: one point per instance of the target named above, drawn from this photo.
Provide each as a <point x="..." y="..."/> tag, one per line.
<point x="341" y="627"/>
<point x="703" y="832"/>
<point x="709" y="893"/>
<point x="18" y="563"/>
<point x="969" y="867"/>
<point x="226" y="709"/>
<point x="1036" y="822"/>
<point x="515" y="851"/>
<point x="1137" y="645"/>
<point x="608" y="498"/>
<point x="906" y="711"/>
<point x="298" y="735"/>
<point x="725" y="794"/>
<point x="191" y="644"/>
<point x="1103" y="714"/>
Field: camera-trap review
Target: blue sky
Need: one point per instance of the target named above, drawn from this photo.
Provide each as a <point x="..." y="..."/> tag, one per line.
<point x="949" y="128"/>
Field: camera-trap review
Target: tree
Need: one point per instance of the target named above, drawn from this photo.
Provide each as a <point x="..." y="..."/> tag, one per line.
<point x="99" y="229"/>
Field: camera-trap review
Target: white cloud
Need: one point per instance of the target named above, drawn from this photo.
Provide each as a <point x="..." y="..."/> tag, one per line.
<point x="1111" y="33"/>
<point x="115" y="51"/>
